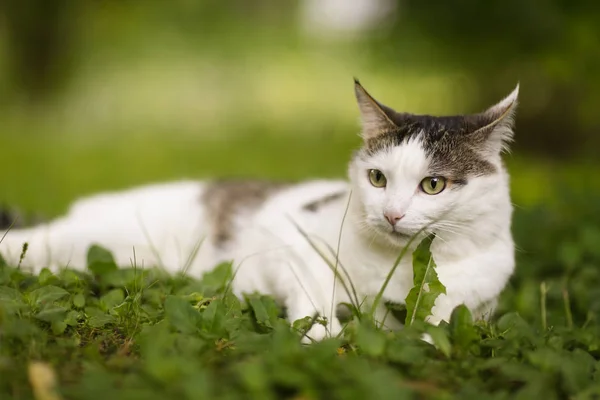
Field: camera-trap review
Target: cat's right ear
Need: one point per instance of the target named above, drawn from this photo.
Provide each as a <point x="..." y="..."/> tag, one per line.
<point x="375" y="117"/>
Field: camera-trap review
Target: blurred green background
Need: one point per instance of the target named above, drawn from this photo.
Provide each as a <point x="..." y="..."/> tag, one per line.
<point x="100" y="95"/>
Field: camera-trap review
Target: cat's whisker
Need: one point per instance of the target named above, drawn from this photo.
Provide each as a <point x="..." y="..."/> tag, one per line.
<point x="462" y="229"/>
<point x="441" y="230"/>
<point x="442" y="239"/>
<point x="373" y="237"/>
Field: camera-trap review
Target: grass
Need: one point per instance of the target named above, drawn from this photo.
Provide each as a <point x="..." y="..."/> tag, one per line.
<point x="131" y="333"/>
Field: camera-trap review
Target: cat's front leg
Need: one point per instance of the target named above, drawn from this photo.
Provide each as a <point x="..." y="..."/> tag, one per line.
<point x="442" y="309"/>
<point x="445" y="304"/>
<point x="319" y="332"/>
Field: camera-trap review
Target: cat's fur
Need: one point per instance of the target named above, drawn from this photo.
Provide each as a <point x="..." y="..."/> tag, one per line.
<point x="253" y="223"/>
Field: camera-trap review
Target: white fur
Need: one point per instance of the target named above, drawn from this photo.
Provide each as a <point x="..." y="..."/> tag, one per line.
<point x="473" y="250"/>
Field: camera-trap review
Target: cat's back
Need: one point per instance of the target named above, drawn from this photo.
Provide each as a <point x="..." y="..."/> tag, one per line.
<point x="231" y="218"/>
<point x="156" y="196"/>
<point x="221" y="202"/>
<point x="254" y="223"/>
<point x="236" y="209"/>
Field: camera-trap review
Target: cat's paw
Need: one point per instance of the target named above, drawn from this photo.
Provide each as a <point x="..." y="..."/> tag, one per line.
<point x="317" y="333"/>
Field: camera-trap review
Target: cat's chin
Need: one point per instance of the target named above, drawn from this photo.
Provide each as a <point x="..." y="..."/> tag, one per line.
<point x="400" y="235"/>
<point x="397" y="238"/>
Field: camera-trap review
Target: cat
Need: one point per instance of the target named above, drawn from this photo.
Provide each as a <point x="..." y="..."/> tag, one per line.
<point x="413" y="175"/>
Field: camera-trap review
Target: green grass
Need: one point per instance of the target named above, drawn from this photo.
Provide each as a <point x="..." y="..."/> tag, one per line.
<point x="149" y="102"/>
<point x="131" y="333"/>
<point x="127" y="333"/>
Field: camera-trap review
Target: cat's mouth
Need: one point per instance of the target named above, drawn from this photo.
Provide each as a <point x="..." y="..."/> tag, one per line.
<point x="400" y="234"/>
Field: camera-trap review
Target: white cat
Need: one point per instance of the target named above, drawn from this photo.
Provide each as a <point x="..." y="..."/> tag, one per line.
<point x="443" y="174"/>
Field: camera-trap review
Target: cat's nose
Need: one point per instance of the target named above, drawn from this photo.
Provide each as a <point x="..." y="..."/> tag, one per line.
<point x="393" y="217"/>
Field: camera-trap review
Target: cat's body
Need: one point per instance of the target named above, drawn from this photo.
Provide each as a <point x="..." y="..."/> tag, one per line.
<point x="261" y="226"/>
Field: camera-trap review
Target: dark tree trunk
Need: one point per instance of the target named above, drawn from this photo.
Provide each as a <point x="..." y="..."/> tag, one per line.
<point x="39" y="36"/>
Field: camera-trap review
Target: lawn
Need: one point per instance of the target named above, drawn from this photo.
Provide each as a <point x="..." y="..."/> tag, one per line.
<point x="132" y="333"/>
<point x="138" y="334"/>
<point x="153" y="97"/>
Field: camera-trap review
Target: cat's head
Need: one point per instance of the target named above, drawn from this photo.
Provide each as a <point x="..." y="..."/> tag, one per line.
<point x="441" y="172"/>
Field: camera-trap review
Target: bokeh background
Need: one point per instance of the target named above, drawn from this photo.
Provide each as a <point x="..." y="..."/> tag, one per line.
<point x="100" y="95"/>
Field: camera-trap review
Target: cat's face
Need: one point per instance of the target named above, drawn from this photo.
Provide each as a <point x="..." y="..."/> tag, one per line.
<point x="442" y="173"/>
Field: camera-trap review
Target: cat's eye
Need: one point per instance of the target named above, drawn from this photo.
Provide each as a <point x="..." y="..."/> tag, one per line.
<point x="433" y="184"/>
<point x="377" y="178"/>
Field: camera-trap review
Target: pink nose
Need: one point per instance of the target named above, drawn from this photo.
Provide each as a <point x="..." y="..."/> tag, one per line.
<point x="393" y="217"/>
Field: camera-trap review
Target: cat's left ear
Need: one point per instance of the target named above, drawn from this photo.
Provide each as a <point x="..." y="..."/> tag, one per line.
<point x="376" y="118"/>
<point x="496" y="124"/>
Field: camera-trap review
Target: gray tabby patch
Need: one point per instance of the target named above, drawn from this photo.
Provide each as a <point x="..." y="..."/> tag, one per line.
<point x="225" y="199"/>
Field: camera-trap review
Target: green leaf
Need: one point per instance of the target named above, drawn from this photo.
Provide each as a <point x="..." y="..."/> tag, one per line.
<point x="47" y="294"/>
<point x="2" y="261"/>
<point x="112" y="299"/>
<point x="512" y="326"/>
<point x="98" y="321"/>
<point x="254" y="377"/>
<point x="234" y="316"/>
<point x="132" y="277"/>
<point x="72" y="318"/>
<point x="58" y="327"/>
<point x="124" y="308"/>
<point x="11" y="302"/>
<point x="69" y="277"/>
<point x="93" y="311"/>
<point x="46" y="277"/>
<point x="79" y="300"/>
<point x="213" y="318"/>
<point x="21" y="329"/>
<point x="9" y="294"/>
<point x="181" y="315"/>
<point x="439" y="335"/>
<point x="216" y="280"/>
<point x="427" y="287"/>
<point x="100" y="261"/>
<point x="462" y="329"/>
<point x="370" y="340"/>
<point x="264" y="308"/>
<point x="406" y="352"/>
<point x="52" y="314"/>
<point x="577" y="369"/>
<point x="303" y="324"/>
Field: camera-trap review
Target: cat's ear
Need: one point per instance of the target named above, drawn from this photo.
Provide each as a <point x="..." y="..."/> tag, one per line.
<point x="375" y="117"/>
<point x="495" y="131"/>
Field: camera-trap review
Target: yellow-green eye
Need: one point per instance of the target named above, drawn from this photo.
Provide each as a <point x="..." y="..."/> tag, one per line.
<point x="377" y="178"/>
<point x="433" y="184"/>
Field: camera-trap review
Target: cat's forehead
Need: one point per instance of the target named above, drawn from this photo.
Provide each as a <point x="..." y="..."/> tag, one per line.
<point x="458" y="124"/>
<point x="406" y="159"/>
<point x="449" y="149"/>
<point x="427" y="128"/>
